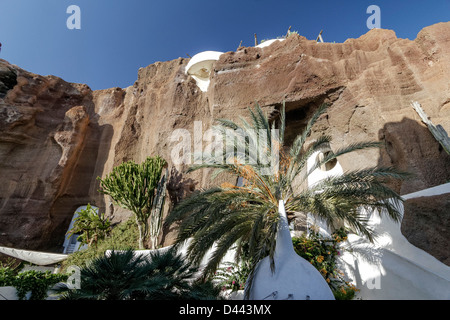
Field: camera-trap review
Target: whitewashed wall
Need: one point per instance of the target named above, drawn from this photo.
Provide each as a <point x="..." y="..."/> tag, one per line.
<point x="391" y="267"/>
<point x="8" y="293"/>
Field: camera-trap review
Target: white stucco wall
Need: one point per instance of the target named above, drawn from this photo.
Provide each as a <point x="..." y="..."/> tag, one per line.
<point x="318" y="175"/>
<point x="8" y="293"/>
<point x="391" y="267"/>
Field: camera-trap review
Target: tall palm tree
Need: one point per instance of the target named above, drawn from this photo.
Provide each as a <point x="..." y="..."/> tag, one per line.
<point x="225" y="216"/>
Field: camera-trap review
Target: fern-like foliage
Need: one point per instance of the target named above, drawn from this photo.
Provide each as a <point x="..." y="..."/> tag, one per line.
<point x="126" y="275"/>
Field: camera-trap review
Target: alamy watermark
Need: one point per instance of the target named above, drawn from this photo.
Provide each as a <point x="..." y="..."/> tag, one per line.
<point x="74" y="20"/>
<point x="74" y="279"/>
<point x="374" y="21"/>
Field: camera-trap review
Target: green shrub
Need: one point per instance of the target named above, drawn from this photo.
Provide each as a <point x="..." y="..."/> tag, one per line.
<point x="345" y="292"/>
<point x="7" y="277"/>
<point x="316" y="249"/>
<point x="36" y="282"/>
<point x="322" y="254"/>
<point x="125" y="275"/>
<point x="122" y="236"/>
<point x="234" y="276"/>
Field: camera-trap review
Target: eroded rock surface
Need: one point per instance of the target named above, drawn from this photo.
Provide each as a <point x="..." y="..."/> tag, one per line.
<point x="43" y="128"/>
<point x="56" y="137"/>
<point x="426" y="225"/>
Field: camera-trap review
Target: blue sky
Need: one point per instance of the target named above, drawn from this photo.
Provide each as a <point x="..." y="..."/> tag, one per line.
<point x="117" y="37"/>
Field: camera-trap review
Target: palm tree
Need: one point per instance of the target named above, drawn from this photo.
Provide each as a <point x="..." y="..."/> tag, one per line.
<point x="124" y="275"/>
<point x="225" y="216"/>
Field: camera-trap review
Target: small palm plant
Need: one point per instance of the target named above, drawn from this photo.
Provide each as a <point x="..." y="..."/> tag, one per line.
<point x="228" y="215"/>
<point x="125" y="275"/>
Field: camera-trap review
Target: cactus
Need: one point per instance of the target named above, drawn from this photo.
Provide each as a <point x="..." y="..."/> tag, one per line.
<point x="135" y="187"/>
<point x="157" y="210"/>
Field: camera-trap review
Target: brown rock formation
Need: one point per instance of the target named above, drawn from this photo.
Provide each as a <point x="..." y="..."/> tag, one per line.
<point x="370" y="82"/>
<point x="43" y="128"/>
<point x="56" y="138"/>
<point x="426" y="223"/>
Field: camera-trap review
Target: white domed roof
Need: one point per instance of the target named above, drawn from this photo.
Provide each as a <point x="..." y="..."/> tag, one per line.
<point x="200" y="65"/>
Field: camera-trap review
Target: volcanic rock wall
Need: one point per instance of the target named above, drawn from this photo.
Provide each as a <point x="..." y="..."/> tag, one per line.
<point x="56" y="137"/>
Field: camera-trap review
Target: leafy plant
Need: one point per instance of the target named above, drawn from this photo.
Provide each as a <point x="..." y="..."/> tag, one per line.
<point x="122" y="237"/>
<point x="11" y="263"/>
<point x="125" y="275"/>
<point x="322" y="254"/>
<point x="136" y="187"/>
<point x="234" y="276"/>
<point x="346" y="291"/>
<point x="7" y="276"/>
<point x="91" y="226"/>
<point x="36" y="282"/>
<point x="228" y="215"/>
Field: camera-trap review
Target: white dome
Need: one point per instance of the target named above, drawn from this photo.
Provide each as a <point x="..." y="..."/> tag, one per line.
<point x="200" y="66"/>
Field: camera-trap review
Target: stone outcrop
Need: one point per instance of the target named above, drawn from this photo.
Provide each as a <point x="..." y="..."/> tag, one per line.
<point x="44" y="126"/>
<point x="426" y="223"/>
<point x="56" y="137"/>
<point x="369" y="82"/>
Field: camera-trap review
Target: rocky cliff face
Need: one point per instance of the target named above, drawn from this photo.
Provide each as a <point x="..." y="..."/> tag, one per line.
<point x="56" y="137"/>
<point x="426" y="224"/>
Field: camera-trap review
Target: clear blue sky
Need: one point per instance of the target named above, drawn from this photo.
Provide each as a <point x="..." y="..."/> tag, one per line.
<point x="117" y="37"/>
